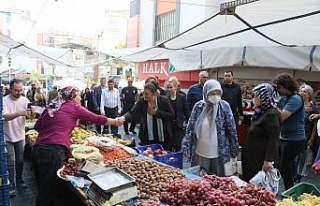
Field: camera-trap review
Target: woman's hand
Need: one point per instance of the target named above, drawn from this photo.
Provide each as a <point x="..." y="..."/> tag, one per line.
<point x="152" y="110"/>
<point x="314" y="117"/>
<point x="120" y="120"/>
<point x="267" y="166"/>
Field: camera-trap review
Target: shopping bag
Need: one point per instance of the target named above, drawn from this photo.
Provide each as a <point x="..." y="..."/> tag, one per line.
<point x="230" y="168"/>
<point x="267" y="180"/>
<point x="305" y="159"/>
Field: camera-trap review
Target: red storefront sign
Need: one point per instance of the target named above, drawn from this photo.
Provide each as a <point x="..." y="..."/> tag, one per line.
<point x="160" y="68"/>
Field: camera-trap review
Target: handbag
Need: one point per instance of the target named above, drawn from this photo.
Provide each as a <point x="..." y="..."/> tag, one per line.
<point x="268" y="180"/>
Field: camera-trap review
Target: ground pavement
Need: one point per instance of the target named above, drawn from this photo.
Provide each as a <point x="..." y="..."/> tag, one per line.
<point x="27" y="196"/>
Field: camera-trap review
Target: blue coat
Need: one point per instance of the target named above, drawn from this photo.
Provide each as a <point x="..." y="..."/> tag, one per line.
<point x="226" y="132"/>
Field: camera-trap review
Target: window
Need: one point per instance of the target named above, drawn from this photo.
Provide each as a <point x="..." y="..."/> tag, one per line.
<point x="134" y="8"/>
<point x="165" y="24"/>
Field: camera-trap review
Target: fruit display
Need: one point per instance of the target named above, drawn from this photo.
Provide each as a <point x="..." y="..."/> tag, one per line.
<point x="151" y="153"/>
<point x="151" y="176"/>
<point x="69" y="168"/>
<point x="316" y="167"/>
<point x="84" y="152"/>
<point x="32" y="137"/>
<point x="302" y="200"/>
<point x="147" y="202"/>
<point x="79" y="133"/>
<point x="118" y="140"/>
<point x="214" y="190"/>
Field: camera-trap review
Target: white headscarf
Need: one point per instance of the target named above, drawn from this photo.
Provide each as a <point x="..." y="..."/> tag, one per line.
<point x="210" y="110"/>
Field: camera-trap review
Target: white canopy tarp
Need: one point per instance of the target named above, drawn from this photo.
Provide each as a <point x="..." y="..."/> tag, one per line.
<point x="69" y="82"/>
<point x="267" y="33"/>
<point x="8" y="46"/>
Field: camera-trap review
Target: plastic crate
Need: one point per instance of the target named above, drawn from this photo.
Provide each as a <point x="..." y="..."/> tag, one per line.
<point x="297" y="190"/>
<point x="172" y="158"/>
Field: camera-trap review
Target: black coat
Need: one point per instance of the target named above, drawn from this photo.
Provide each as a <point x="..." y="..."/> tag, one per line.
<point x="183" y="113"/>
<point x="164" y="112"/>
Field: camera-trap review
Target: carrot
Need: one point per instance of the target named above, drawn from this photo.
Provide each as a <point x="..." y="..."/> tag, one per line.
<point x="113" y="154"/>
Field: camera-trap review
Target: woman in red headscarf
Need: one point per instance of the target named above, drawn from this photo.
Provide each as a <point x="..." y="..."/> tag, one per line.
<point x="55" y="126"/>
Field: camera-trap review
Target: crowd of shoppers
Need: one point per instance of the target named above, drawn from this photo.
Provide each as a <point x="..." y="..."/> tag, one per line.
<point x="202" y="124"/>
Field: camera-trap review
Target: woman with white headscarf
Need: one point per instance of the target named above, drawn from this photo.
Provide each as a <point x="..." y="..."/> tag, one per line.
<point x="211" y="137"/>
<point x="260" y="149"/>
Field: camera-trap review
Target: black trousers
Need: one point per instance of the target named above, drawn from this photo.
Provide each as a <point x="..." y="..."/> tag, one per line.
<point x="289" y="151"/>
<point x="111" y="113"/>
<point x="46" y="160"/>
<point x="127" y="106"/>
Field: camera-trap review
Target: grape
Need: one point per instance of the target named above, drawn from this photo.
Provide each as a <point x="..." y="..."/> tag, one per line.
<point x="214" y="190"/>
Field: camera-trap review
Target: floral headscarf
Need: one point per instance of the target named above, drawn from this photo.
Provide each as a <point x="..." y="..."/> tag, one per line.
<point x="66" y="94"/>
<point x="268" y="96"/>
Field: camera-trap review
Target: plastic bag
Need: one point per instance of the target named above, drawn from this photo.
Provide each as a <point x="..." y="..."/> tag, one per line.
<point x="305" y="159"/>
<point x="268" y="180"/>
<point x="230" y="168"/>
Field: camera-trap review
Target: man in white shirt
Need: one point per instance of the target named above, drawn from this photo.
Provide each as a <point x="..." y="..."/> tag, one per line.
<point x="110" y="105"/>
<point x="15" y="108"/>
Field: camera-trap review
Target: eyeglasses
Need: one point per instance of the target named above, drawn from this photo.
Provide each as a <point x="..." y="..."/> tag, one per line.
<point x="17" y="90"/>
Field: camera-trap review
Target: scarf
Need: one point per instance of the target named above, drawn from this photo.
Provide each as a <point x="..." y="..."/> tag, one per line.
<point x="210" y="110"/>
<point x="150" y="126"/>
<point x="268" y="96"/>
<point x="66" y="94"/>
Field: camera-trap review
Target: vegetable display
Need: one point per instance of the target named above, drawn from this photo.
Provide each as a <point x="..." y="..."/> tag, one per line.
<point x="214" y="190"/>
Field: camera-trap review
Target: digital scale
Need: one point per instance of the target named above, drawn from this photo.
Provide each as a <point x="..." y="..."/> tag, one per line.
<point x="113" y="185"/>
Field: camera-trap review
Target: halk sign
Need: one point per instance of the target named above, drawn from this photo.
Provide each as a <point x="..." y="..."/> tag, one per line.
<point x="160" y="68"/>
<point x="154" y="67"/>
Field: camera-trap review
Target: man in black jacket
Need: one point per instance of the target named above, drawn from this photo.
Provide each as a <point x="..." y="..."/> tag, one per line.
<point x="232" y="94"/>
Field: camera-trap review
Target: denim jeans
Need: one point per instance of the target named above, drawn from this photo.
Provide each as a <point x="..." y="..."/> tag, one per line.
<point x="15" y="160"/>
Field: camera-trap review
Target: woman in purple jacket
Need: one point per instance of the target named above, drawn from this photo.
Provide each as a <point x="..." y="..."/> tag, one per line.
<point x="55" y="126"/>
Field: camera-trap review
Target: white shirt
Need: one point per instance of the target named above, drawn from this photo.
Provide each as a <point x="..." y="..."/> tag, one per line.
<point x="110" y="99"/>
<point x="207" y="144"/>
<point x="14" y="130"/>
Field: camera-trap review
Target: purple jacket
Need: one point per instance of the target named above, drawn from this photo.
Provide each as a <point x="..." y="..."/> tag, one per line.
<point x="57" y="129"/>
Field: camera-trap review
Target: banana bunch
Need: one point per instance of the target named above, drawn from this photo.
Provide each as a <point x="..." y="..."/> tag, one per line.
<point x="303" y="200"/>
<point x="117" y="140"/>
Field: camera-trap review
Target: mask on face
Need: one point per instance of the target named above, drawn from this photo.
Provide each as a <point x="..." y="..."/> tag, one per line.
<point x="214" y="99"/>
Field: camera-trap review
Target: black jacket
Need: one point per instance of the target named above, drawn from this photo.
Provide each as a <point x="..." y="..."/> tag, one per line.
<point x="164" y="112"/>
<point x="232" y="94"/>
<point x="183" y="113"/>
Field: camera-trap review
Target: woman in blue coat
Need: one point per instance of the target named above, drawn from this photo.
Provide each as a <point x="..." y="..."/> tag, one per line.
<point x="211" y="136"/>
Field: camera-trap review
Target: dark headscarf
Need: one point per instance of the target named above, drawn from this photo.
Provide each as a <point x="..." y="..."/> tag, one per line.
<point x="65" y="94"/>
<point x="268" y="96"/>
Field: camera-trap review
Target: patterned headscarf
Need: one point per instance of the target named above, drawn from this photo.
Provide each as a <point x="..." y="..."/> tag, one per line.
<point x="66" y="94"/>
<point x="268" y="96"/>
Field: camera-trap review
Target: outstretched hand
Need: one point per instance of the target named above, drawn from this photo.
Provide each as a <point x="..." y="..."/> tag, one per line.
<point x="120" y="120"/>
